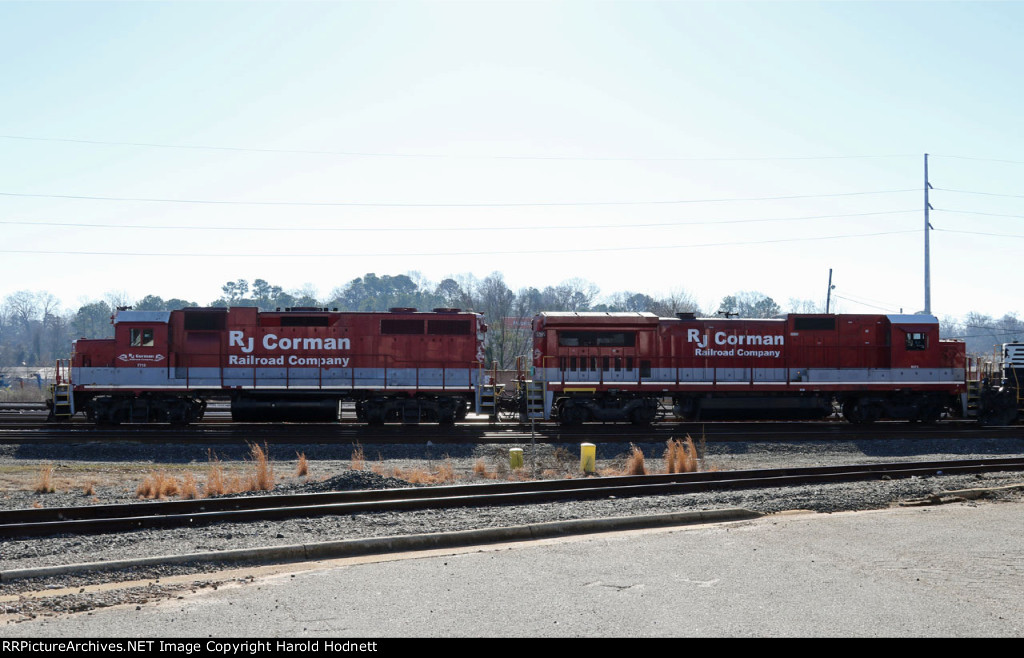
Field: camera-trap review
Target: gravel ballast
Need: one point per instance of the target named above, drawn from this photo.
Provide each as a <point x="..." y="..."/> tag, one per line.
<point x="330" y="469"/>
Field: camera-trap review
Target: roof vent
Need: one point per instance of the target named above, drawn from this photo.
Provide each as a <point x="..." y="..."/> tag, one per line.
<point x="686" y="315"/>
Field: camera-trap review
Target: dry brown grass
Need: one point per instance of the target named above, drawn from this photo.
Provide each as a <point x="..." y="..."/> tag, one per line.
<point x="158" y="484"/>
<point x="358" y="461"/>
<point x="480" y="470"/>
<point x="302" y="468"/>
<point x="635" y="462"/>
<point x="216" y="479"/>
<point x="446" y="471"/>
<point x="262" y="478"/>
<point x="413" y="475"/>
<point x="44" y="480"/>
<point x="260" y="475"/>
<point x="189" y="487"/>
<point x="681" y="456"/>
<point x="89" y="488"/>
<point x="441" y="474"/>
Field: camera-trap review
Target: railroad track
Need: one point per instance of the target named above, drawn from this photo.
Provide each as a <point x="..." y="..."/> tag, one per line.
<point x="484" y="433"/>
<point x="124" y="517"/>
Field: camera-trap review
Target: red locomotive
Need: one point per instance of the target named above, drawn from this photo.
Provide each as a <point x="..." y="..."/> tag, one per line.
<point x="619" y="366"/>
<point x="292" y="365"/>
<point x="301" y="364"/>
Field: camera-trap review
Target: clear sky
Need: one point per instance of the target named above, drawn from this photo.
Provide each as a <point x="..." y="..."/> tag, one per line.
<point x="165" y="148"/>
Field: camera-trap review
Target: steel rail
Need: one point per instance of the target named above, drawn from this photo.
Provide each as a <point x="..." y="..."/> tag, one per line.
<point x="483" y="433"/>
<point x="115" y="518"/>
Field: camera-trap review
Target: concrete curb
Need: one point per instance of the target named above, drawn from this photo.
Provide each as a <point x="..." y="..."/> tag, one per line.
<point x="396" y="544"/>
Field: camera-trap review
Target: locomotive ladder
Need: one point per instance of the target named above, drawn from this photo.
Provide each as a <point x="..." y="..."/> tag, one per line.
<point x="972" y="399"/>
<point x="60" y="392"/>
<point x="487" y="392"/>
<point x="534" y="392"/>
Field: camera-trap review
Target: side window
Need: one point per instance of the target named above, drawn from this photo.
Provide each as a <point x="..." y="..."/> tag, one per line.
<point x="917" y="341"/>
<point x="142" y="337"/>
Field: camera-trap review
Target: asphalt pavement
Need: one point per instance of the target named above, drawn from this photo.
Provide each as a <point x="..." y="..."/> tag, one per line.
<point x="954" y="570"/>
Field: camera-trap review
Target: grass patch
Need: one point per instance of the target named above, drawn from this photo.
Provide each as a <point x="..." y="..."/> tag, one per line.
<point x="262" y="478"/>
<point x="158" y="484"/>
<point x="358" y="461"/>
<point x="681" y="456"/>
<point x="44" y="480"/>
<point x="443" y="473"/>
<point x="635" y="462"/>
<point x="481" y="471"/>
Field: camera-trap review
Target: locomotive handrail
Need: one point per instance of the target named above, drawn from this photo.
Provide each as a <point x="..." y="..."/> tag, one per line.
<point x="62" y="372"/>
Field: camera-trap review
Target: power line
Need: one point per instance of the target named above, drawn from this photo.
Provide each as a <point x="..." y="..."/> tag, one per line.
<point x="371" y="154"/>
<point x="450" y="254"/>
<point x="881" y="308"/>
<point x="992" y="335"/>
<point x="446" y="205"/>
<point x="1010" y="196"/>
<point x="867" y="301"/>
<point x="441" y="228"/>
<point x="985" y="214"/>
<point x="964" y="157"/>
<point x="993" y="235"/>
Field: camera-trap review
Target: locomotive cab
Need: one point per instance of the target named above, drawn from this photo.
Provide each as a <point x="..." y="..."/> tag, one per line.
<point x="142" y="337"/>
<point x="127" y="379"/>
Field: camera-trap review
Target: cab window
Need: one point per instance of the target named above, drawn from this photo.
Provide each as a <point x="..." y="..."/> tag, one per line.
<point x="142" y="338"/>
<point x="917" y="341"/>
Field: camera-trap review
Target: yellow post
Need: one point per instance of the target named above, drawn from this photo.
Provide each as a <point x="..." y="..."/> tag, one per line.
<point x="588" y="457"/>
<point x="515" y="458"/>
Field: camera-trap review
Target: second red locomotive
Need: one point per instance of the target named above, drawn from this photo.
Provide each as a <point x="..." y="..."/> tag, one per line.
<point x="619" y="366"/>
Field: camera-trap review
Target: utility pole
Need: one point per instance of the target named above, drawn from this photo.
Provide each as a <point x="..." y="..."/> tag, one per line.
<point x="927" y="252"/>
<point x="828" y="297"/>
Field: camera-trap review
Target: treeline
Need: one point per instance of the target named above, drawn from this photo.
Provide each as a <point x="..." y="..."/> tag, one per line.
<point x="35" y="331"/>
<point x="983" y="334"/>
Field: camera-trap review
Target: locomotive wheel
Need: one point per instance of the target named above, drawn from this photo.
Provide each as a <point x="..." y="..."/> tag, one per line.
<point x="643" y="415"/>
<point x="998" y="417"/>
<point x="930" y="414"/>
<point x="860" y="414"/>
<point x="570" y="414"/>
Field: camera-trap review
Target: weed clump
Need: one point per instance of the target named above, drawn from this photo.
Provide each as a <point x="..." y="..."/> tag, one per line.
<point x="44" y="480"/>
<point x="480" y="470"/>
<point x="216" y="480"/>
<point x="157" y="484"/>
<point x="262" y="479"/>
<point x="189" y="487"/>
<point x="358" y="461"/>
<point x="681" y="456"/>
<point x="635" y="462"/>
